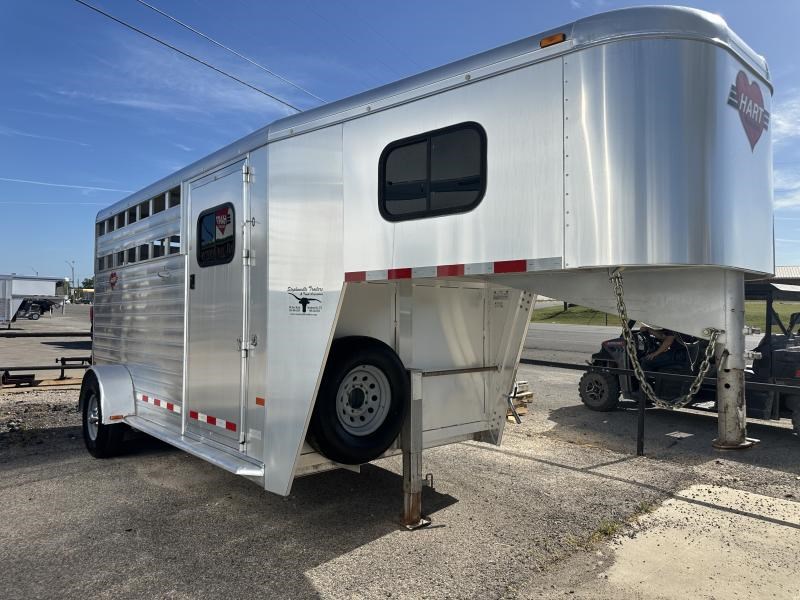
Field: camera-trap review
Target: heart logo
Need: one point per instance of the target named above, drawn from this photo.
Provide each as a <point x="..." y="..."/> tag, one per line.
<point x="112" y="280"/>
<point x="745" y="96"/>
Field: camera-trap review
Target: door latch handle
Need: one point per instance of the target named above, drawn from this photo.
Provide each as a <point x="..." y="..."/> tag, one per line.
<point x="191" y="281"/>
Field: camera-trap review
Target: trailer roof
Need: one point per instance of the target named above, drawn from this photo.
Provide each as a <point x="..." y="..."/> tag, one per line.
<point x="639" y="22"/>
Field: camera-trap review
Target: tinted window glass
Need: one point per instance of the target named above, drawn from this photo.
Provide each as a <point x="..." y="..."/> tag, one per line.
<point x="174" y="197"/>
<point x="433" y="174"/>
<point x="216" y="241"/>
<point x="158" y="248"/>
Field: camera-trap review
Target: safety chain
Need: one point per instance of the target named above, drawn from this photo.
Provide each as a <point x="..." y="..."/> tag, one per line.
<point x="681" y="401"/>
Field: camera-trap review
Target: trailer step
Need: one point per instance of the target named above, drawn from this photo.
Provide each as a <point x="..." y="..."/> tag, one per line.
<point x="225" y="460"/>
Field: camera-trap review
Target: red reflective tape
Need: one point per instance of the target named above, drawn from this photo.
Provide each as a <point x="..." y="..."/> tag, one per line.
<point x="449" y="270"/>
<point x="170" y="406"/>
<point x="211" y="420"/>
<point x="156" y="401"/>
<point x="399" y="273"/>
<point x="193" y="414"/>
<point x="144" y="398"/>
<point x="260" y="401"/>
<point x="355" y="276"/>
<point x="510" y="266"/>
<point x="230" y="426"/>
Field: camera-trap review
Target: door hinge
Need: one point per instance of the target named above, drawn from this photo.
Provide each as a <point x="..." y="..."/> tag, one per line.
<point x="246" y="346"/>
<point x="247" y="174"/>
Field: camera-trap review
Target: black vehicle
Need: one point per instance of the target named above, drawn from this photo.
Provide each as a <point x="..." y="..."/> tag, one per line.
<point x="779" y="363"/>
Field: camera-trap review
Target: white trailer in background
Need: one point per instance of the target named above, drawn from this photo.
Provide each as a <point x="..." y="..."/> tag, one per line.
<point x="262" y="308"/>
<point x="14" y="289"/>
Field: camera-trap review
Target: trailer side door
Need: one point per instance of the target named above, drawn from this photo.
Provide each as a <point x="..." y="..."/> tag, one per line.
<point x="216" y="355"/>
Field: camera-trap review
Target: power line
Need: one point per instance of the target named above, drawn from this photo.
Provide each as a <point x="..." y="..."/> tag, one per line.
<point x="229" y="49"/>
<point x="186" y="54"/>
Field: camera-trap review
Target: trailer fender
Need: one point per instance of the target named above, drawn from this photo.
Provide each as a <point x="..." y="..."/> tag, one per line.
<point x="117" y="397"/>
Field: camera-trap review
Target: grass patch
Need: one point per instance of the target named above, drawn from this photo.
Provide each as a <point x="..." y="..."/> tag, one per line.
<point x="604" y="530"/>
<point x="754" y="313"/>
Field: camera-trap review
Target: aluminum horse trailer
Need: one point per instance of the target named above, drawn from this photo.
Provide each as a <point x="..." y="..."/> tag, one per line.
<point x="293" y="301"/>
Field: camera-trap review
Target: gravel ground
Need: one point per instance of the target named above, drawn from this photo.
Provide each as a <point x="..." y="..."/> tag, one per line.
<point x="524" y="520"/>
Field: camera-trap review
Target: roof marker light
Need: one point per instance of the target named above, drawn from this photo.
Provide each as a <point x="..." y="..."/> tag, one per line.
<point x="556" y="38"/>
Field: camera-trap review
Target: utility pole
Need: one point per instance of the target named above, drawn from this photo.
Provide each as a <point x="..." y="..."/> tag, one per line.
<point x="35" y="272"/>
<point x="71" y="264"/>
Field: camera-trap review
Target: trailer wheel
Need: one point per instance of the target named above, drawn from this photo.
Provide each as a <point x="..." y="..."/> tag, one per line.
<point x="102" y="441"/>
<point x="598" y="391"/>
<point x="361" y="402"/>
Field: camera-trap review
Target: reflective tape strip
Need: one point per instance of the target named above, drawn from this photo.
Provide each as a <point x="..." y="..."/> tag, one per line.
<point x="160" y="403"/>
<point x="208" y="419"/>
<point x="498" y="267"/>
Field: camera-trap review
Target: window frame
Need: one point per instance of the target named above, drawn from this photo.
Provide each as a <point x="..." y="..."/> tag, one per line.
<point x="215" y="262"/>
<point x="427" y="137"/>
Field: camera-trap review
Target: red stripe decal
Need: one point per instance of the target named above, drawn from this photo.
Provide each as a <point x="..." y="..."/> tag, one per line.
<point x="211" y="420"/>
<point x="144" y="398"/>
<point x="510" y="266"/>
<point x="356" y="276"/>
<point x="193" y="414"/>
<point x="156" y="401"/>
<point x="399" y="273"/>
<point x="230" y="426"/>
<point x="449" y="270"/>
<point x="170" y="406"/>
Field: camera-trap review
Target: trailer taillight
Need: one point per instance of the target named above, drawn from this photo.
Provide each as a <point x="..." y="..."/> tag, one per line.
<point x="797" y="373"/>
<point x="556" y="38"/>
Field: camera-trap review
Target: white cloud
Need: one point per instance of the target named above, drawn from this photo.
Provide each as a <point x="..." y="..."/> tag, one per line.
<point x="85" y="188"/>
<point x="786" y="118"/>
<point x="9" y="132"/>
<point x="786" y="183"/>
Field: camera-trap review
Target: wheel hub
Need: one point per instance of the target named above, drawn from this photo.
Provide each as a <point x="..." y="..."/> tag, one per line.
<point x="363" y="400"/>
<point x="93" y="417"/>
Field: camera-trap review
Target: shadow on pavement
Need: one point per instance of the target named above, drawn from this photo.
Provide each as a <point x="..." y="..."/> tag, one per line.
<point x="71" y="344"/>
<point x="212" y="526"/>
<point x="684" y="435"/>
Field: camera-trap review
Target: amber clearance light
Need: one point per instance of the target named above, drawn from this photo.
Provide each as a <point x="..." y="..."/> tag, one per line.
<point x="556" y="38"/>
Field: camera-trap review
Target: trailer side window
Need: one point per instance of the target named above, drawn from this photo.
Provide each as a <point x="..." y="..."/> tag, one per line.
<point x="436" y="173"/>
<point x="216" y="241"/>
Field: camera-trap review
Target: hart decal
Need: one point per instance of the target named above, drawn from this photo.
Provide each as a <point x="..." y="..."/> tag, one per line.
<point x="746" y="98"/>
<point x="112" y="280"/>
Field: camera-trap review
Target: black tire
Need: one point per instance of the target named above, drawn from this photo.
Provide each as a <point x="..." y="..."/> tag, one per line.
<point x="599" y="392"/>
<point x="102" y="441"/>
<point x="796" y="420"/>
<point x="357" y="419"/>
<point x="34" y="316"/>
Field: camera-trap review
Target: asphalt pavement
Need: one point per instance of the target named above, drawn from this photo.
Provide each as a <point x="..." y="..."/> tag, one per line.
<point x="563" y="508"/>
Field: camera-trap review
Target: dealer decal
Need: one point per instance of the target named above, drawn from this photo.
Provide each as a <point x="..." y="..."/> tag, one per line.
<point x="305" y="301"/>
<point x="746" y="98"/>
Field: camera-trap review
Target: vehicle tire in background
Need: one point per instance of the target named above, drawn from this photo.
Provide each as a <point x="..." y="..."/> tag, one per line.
<point x="102" y="441"/>
<point x="34" y="316"/>
<point x="599" y="391"/>
<point x="361" y="402"/>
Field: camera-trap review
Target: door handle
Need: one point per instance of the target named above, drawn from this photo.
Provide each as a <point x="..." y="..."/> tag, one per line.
<point x="191" y="281"/>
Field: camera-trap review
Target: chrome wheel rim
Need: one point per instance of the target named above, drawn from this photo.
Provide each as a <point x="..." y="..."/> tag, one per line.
<point x="363" y="400"/>
<point x="93" y="417"/>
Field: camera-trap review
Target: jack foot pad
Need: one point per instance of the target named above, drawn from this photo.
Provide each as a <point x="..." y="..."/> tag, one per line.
<point x="423" y="522"/>
<point x="747" y="443"/>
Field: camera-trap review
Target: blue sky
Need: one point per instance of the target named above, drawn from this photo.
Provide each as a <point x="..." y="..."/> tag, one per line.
<point x="94" y="110"/>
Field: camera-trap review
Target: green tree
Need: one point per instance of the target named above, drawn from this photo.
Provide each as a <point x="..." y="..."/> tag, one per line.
<point x="88" y="283"/>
